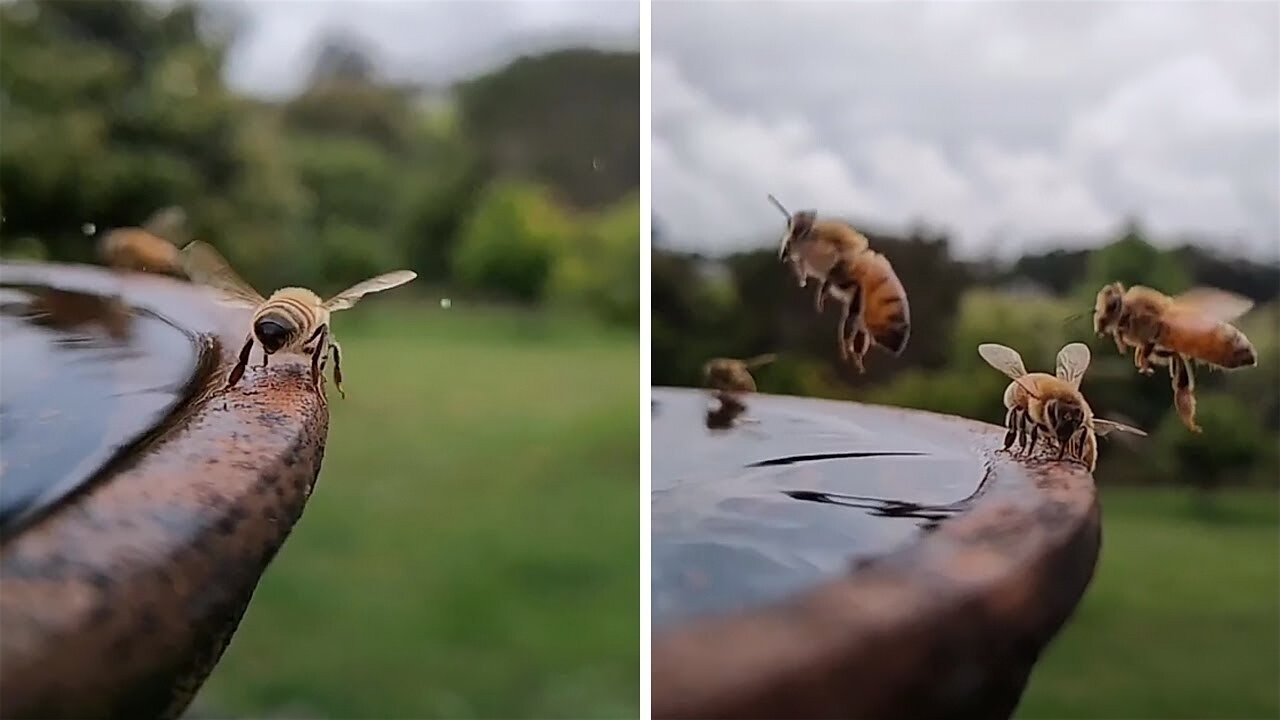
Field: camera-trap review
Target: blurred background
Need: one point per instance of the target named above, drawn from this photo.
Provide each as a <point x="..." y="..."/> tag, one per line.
<point x="472" y="548"/>
<point x="1010" y="159"/>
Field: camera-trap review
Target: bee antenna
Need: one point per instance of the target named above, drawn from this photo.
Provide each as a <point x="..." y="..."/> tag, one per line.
<point x="778" y="205"/>
<point x="1072" y="318"/>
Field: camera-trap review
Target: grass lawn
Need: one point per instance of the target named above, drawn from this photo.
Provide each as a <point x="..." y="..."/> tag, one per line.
<point x="472" y="546"/>
<point x="1182" y="619"/>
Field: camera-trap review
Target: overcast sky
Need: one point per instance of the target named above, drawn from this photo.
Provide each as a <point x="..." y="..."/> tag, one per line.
<point x="1007" y="123"/>
<point x="425" y="40"/>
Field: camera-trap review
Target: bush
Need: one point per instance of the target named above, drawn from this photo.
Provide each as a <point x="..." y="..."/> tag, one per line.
<point x="601" y="269"/>
<point x="510" y="243"/>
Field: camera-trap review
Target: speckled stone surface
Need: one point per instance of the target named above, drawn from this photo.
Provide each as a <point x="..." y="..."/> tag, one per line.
<point x="946" y="624"/>
<point x="120" y="601"/>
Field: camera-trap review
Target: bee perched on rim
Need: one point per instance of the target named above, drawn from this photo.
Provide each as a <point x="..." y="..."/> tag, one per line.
<point x="293" y="319"/>
<point x="875" y="308"/>
<point x="153" y="247"/>
<point x="1173" y="331"/>
<point x="1052" y="404"/>
<point x="733" y="375"/>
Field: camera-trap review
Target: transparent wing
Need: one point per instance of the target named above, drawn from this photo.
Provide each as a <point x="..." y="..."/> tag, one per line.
<point x="1073" y="360"/>
<point x="1213" y="304"/>
<point x="1005" y="359"/>
<point x="168" y="223"/>
<point x="351" y="295"/>
<point x="206" y="266"/>
<point x="759" y="360"/>
<point x="1102" y="427"/>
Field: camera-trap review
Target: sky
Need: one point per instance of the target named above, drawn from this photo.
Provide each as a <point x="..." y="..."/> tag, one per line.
<point x="431" y="41"/>
<point x="1013" y="126"/>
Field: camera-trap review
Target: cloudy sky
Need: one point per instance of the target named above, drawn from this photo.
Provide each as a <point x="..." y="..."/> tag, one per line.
<point x="424" y="40"/>
<point x="1014" y="125"/>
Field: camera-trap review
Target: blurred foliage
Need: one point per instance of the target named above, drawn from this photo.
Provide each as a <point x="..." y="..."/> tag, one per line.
<point x="748" y="303"/>
<point x="351" y="177"/>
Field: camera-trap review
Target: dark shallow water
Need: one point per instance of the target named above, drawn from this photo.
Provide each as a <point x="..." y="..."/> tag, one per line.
<point x="788" y="495"/>
<point x="83" y="376"/>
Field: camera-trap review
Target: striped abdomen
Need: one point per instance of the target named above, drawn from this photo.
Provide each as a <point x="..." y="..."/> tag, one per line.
<point x="885" y="311"/>
<point x="1207" y="341"/>
<point x="288" y="319"/>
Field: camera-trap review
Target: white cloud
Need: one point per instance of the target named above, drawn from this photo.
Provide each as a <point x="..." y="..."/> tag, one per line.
<point x="1035" y="121"/>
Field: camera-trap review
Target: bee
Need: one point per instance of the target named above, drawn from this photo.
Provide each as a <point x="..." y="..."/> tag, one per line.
<point x="293" y="319"/>
<point x="1052" y="404"/>
<point x="730" y="375"/>
<point x="149" y="248"/>
<point x="875" y="308"/>
<point x="1174" y="331"/>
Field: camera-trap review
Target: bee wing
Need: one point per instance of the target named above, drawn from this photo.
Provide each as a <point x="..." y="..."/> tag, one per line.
<point x="1214" y="304"/>
<point x="351" y="295"/>
<point x="167" y="223"/>
<point x="1102" y="427"/>
<point x="206" y="266"/>
<point x="1073" y="360"/>
<point x="1005" y="359"/>
<point x="759" y="360"/>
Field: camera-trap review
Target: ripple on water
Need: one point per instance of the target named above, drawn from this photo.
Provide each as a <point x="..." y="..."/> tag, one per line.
<point x="82" y="377"/>
<point x="788" y="496"/>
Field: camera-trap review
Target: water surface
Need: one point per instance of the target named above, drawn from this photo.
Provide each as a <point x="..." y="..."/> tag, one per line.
<point x="787" y="494"/>
<point x="83" y="376"/>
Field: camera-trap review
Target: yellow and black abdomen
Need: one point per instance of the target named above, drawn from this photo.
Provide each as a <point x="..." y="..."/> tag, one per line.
<point x="1220" y="344"/>
<point x="288" y="319"/>
<point x="886" y="311"/>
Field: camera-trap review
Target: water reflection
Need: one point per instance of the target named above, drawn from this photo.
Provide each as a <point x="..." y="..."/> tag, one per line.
<point x="724" y="411"/>
<point x="728" y="530"/>
<point x="82" y="376"/>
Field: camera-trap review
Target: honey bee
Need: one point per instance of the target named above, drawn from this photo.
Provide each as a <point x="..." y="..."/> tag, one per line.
<point x="293" y="319"/>
<point x="875" y="308"/>
<point x="1052" y="404"/>
<point x="149" y="248"/>
<point x="731" y="375"/>
<point x="1174" y="331"/>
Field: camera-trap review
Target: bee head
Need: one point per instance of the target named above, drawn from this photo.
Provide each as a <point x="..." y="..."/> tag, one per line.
<point x="273" y="331"/>
<point x="1107" y="307"/>
<point x="1065" y="418"/>
<point x="799" y="226"/>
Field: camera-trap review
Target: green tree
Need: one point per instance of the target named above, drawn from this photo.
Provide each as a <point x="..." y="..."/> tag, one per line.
<point x="510" y="243"/>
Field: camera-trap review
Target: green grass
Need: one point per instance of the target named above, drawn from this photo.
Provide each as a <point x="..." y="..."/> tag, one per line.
<point x="1182" y="619"/>
<point x="472" y="545"/>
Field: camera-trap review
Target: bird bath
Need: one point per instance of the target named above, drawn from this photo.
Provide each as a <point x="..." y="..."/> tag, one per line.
<point x="817" y="558"/>
<point x="139" y="502"/>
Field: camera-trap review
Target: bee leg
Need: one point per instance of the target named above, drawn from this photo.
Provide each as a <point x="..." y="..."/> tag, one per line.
<point x="1011" y="422"/>
<point x="842" y="335"/>
<point x="861" y="342"/>
<point x="1142" y="358"/>
<point x="1035" y="435"/>
<point x="317" y="376"/>
<point x="1184" y="392"/>
<point x="238" y="371"/>
<point x="337" y="367"/>
<point x="1119" y="342"/>
<point x="851" y="320"/>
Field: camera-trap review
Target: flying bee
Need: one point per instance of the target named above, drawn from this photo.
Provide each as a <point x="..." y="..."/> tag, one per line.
<point x="731" y="375"/>
<point x="293" y="319"/>
<point x="875" y="308"/>
<point x="1052" y="404"/>
<point x="149" y="248"/>
<point x="1174" y="331"/>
